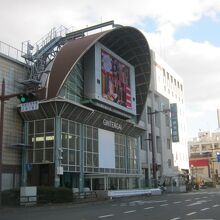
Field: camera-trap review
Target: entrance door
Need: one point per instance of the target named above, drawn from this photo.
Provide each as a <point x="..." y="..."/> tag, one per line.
<point x="44" y="175"/>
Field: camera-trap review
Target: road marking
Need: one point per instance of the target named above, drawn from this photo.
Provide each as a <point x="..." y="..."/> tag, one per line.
<point x="177" y="202"/>
<point x="197" y="198"/>
<point x="204" y="209"/>
<point x="197" y="203"/>
<point x="127" y="212"/>
<point x="187" y="200"/>
<point x="149" y="208"/>
<point x="106" y="216"/>
<point x="155" y="201"/>
<point x="164" y="205"/>
<point x="175" y="218"/>
<point x="214" y="206"/>
<point x="191" y="213"/>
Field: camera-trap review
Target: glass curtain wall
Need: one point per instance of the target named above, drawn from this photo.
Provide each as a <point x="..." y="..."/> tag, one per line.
<point x="120" y="153"/>
<point x="132" y="155"/>
<point x="41" y="141"/>
<point x="73" y="86"/>
<point x="91" y="151"/>
<point x="70" y="139"/>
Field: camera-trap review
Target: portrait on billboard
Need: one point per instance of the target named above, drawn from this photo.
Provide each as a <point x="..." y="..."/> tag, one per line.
<point x="116" y="85"/>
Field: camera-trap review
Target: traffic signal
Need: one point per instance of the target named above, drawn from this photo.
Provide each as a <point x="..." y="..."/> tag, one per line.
<point x="27" y="97"/>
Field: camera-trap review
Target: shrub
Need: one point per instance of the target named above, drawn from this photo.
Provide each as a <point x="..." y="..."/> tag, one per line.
<point x="209" y="184"/>
<point x="11" y="197"/>
<point x="54" y="195"/>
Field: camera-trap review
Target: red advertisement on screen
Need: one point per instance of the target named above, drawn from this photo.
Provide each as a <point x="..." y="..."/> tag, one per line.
<point x="115" y="80"/>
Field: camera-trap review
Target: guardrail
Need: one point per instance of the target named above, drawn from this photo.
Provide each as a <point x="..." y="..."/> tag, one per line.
<point x="133" y="192"/>
<point x="11" y="51"/>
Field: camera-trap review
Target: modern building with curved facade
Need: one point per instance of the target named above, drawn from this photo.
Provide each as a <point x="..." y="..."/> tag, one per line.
<point x="86" y="131"/>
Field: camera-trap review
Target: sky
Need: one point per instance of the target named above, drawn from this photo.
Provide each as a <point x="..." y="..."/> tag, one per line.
<point x="185" y="33"/>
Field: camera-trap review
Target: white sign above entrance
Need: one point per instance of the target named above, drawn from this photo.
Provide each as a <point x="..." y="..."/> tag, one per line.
<point x="29" y="106"/>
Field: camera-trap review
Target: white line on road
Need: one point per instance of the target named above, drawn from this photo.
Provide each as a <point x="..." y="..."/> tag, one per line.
<point x="127" y="212"/>
<point x="175" y="218"/>
<point x="214" y="206"/>
<point x="106" y="216"/>
<point x="149" y="208"/>
<point x="177" y="202"/>
<point x="191" y="213"/>
<point x="204" y="209"/>
<point x="164" y="205"/>
<point x="187" y="200"/>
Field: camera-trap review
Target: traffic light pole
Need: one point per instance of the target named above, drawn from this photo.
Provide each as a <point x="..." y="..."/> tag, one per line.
<point x="3" y="98"/>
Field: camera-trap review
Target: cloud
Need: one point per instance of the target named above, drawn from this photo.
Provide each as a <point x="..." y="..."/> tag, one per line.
<point x="196" y="62"/>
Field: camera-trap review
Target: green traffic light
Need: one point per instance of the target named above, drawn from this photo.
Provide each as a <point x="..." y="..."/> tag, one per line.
<point x="22" y="99"/>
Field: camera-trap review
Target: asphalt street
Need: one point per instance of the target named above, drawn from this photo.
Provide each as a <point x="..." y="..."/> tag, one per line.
<point x="196" y="205"/>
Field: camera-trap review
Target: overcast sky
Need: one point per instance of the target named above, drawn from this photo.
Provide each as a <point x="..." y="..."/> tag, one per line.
<point x="185" y="33"/>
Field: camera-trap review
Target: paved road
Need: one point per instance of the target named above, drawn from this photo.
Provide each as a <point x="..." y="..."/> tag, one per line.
<point x="201" y="205"/>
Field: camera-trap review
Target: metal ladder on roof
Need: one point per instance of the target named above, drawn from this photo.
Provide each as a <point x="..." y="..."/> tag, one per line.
<point x="38" y="57"/>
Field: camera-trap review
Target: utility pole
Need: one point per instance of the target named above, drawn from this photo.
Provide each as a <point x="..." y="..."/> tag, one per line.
<point x="152" y="139"/>
<point x="1" y="134"/>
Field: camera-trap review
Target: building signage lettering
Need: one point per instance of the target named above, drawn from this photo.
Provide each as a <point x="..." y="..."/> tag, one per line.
<point x="112" y="124"/>
<point x="29" y="106"/>
<point x="174" y="122"/>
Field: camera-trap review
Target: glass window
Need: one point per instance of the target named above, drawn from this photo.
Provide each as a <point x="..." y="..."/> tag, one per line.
<point x="49" y="140"/>
<point x="77" y="157"/>
<point x="49" y="155"/>
<point x="89" y="159"/>
<point x="64" y="140"/>
<point x="77" y="129"/>
<point x="73" y="86"/>
<point x="95" y="160"/>
<point x="89" y="132"/>
<point x="72" y="157"/>
<point x="72" y="142"/>
<point x="77" y="143"/>
<point x="168" y="143"/>
<point x="49" y="125"/>
<point x="39" y="141"/>
<point x="64" y="126"/>
<point x="31" y="127"/>
<point x="95" y="146"/>
<point x="30" y="156"/>
<point x="31" y="141"/>
<point x="38" y="156"/>
<point x="158" y="144"/>
<point x="39" y="126"/>
<point x="149" y="115"/>
<point x="89" y="145"/>
<point x="95" y="133"/>
<point x="65" y="156"/>
<point x="72" y="128"/>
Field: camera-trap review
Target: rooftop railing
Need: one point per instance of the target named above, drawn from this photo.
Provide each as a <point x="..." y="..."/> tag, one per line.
<point x="11" y="52"/>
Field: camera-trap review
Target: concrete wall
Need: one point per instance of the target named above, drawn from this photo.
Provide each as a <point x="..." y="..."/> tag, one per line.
<point x="12" y="71"/>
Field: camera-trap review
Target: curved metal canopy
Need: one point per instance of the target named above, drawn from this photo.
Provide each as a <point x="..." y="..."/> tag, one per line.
<point x="128" y="42"/>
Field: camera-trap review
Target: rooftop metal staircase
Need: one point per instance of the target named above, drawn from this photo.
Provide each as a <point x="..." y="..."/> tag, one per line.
<point x="44" y="51"/>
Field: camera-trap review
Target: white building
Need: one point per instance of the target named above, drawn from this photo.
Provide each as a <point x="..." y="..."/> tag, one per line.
<point x="168" y="83"/>
<point x="156" y="140"/>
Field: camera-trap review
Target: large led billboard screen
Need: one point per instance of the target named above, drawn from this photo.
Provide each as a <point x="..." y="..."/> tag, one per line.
<point x="115" y="77"/>
<point x="109" y="79"/>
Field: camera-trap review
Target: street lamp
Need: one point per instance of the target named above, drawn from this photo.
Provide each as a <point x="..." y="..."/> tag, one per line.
<point x="154" y="165"/>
